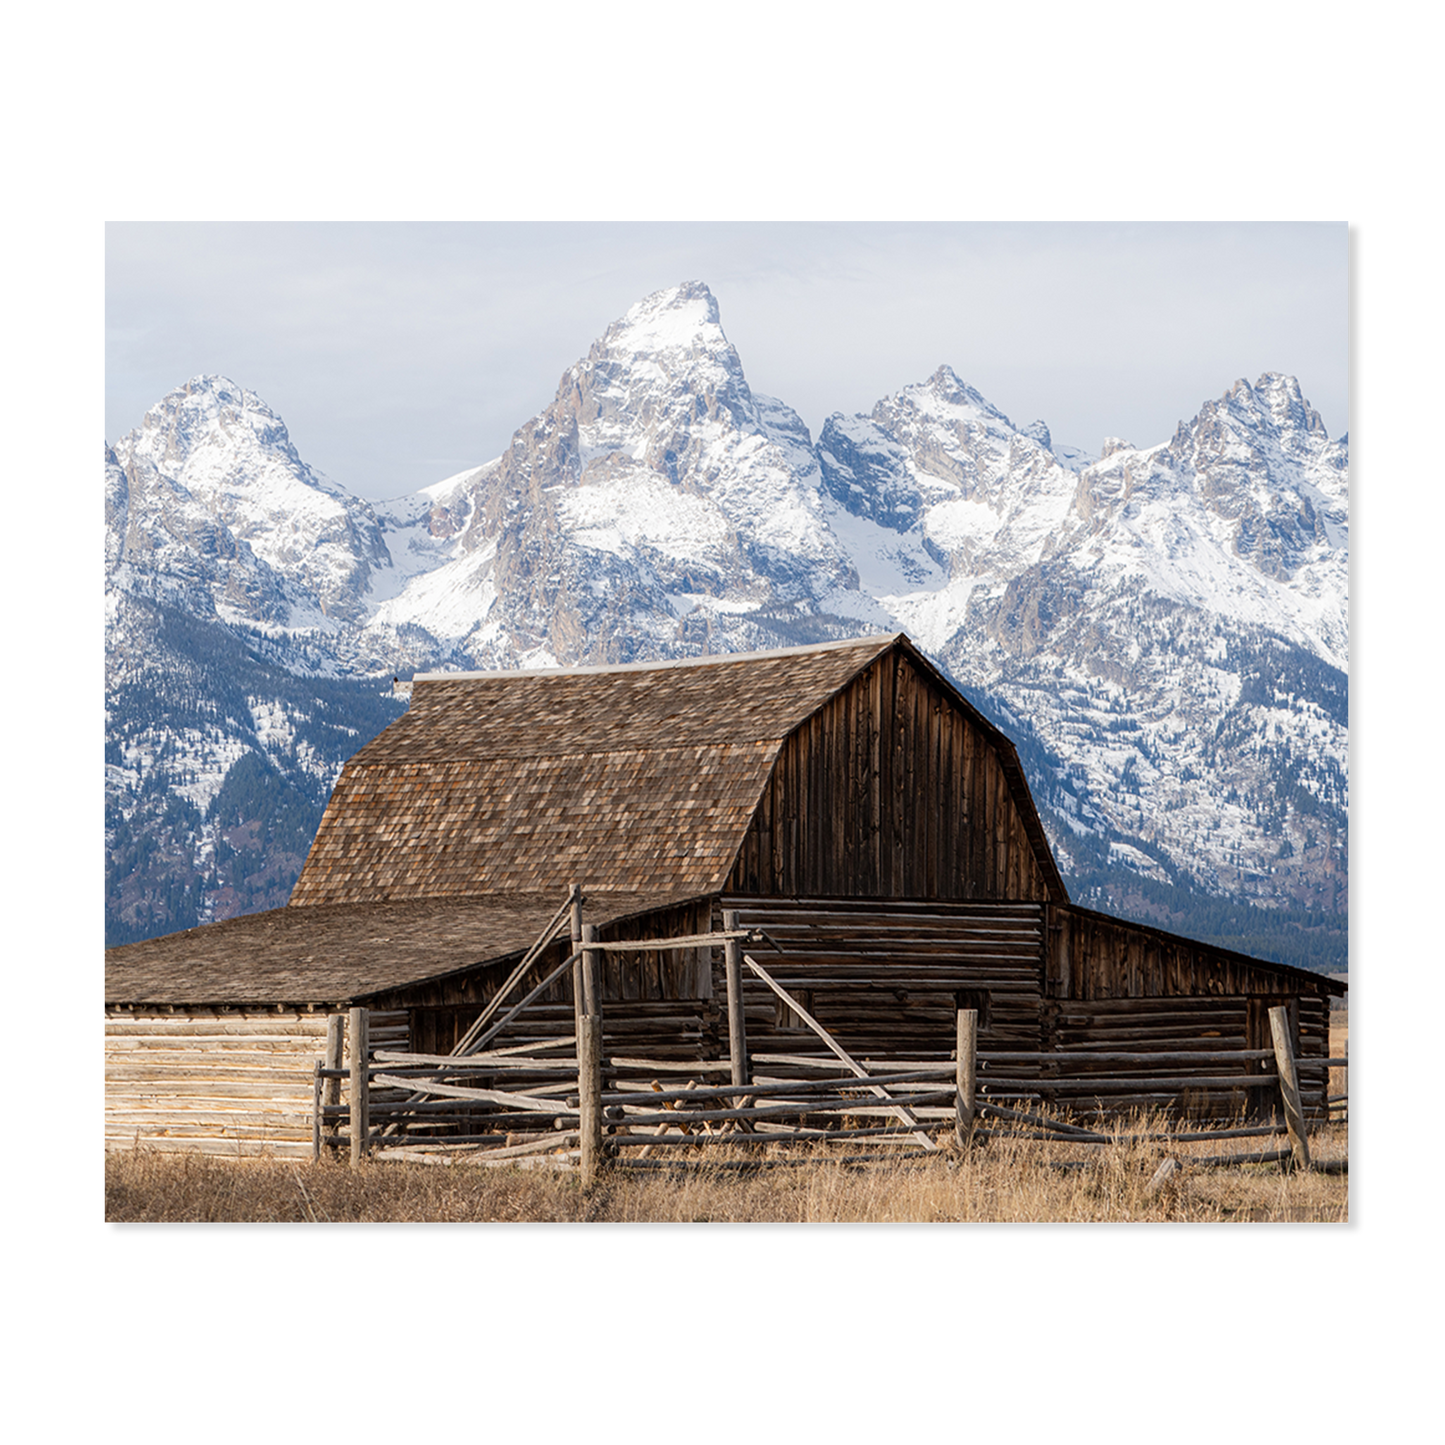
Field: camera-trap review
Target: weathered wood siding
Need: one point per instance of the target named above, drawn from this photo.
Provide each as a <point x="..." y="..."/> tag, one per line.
<point x="1188" y="1025"/>
<point x="1114" y="985"/>
<point x="232" y="1082"/>
<point x="891" y="790"/>
<point x="888" y="979"/>
<point x="1093" y="956"/>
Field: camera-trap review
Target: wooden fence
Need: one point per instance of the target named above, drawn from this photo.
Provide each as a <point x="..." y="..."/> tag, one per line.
<point x="564" y="1102"/>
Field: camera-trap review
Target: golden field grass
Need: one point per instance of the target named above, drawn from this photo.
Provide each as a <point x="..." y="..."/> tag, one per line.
<point x="1000" y="1180"/>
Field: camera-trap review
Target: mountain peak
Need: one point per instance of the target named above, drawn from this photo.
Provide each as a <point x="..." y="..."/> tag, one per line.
<point x="229" y="504"/>
<point x="947" y="398"/>
<point x="1276" y="400"/>
<point x="211" y="411"/>
<point x="682" y="317"/>
<point x="1039" y="432"/>
<point x="666" y="357"/>
<point x="211" y="392"/>
<point x="948" y="385"/>
<point x="1285" y="401"/>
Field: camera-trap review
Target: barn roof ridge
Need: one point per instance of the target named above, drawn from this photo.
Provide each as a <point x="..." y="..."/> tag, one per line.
<point x="881" y="640"/>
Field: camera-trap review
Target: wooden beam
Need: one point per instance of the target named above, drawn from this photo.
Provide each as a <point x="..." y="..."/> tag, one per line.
<point x="737" y="1025"/>
<point x="590" y="999"/>
<point x="553" y="928"/>
<point x="574" y="904"/>
<point x="589" y="1083"/>
<point x="967" y="1076"/>
<point x="1289" y="1085"/>
<point x="335" y="1055"/>
<point x="360" y="1084"/>
<point x="858" y="1070"/>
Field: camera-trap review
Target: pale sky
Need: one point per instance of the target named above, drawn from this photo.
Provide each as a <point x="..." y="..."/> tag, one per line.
<point x="399" y="353"/>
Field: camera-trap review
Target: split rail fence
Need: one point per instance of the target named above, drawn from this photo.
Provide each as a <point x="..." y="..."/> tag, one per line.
<point x="563" y="1102"/>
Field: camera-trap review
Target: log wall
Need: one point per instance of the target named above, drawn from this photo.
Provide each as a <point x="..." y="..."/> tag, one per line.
<point x="225" y="1082"/>
<point x="1122" y="986"/>
<point x="1204" y="1025"/>
<point x="887" y="978"/>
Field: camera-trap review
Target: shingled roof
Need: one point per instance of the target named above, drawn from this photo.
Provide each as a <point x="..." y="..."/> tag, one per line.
<point x="643" y="777"/>
<point x="333" y="955"/>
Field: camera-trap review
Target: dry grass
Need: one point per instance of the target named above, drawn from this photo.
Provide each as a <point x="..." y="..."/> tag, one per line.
<point x="1002" y="1180"/>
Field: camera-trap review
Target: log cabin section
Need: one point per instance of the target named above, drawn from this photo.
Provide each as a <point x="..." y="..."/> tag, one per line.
<point x="1126" y="986"/>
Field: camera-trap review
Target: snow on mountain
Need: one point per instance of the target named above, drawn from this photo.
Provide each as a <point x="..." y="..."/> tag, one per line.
<point x="217" y="499"/>
<point x="234" y="577"/>
<point x="945" y="469"/>
<point x="1164" y="629"/>
<point x="654" y="503"/>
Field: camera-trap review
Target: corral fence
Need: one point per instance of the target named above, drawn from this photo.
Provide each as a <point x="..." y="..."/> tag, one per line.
<point x="561" y="1102"/>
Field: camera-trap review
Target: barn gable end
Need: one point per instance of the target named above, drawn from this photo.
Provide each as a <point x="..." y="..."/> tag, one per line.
<point x="896" y="787"/>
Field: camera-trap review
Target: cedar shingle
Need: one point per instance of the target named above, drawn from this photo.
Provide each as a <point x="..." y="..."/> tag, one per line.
<point x="640" y="777"/>
<point x="333" y="954"/>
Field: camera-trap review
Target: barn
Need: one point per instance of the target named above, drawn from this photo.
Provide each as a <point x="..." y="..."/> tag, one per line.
<point x="845" y="801"/>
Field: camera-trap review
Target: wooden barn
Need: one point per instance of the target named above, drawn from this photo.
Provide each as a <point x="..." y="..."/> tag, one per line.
<point x="844" y="800"/>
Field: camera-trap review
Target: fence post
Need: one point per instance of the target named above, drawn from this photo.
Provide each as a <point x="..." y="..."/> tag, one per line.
<point x="331" y="1087"/>
<point x="1289" y="1085"/>
<point x="579" y="1008"/>
<point x="967" y="1075"/>
<point x="316" y="1082"/>
<point x="589" y="1087"/>
<point x="737" y="1029"/>
<point x="591" y="1005"/>
<point x="360" y="1083"/>
<point x="589" y="1060"/>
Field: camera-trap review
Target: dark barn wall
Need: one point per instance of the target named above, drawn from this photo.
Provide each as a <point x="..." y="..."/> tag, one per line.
<point x="890" y="790"/>
<point x="888" y="979"/>
<point x="1113" y="984"/>
<point x="1093" y="956"/>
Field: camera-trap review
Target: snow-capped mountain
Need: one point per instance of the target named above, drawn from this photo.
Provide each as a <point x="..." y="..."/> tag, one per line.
<point x="210" y="506"/>
<point x="655" y="503"/>
<point x="231" y="567"/>
<point x="1164" y="630"/>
